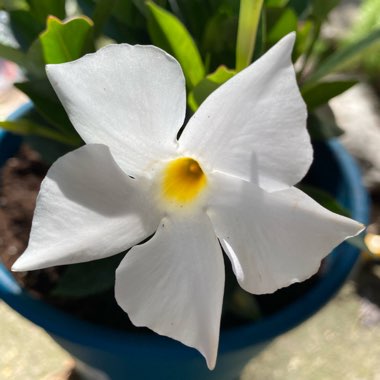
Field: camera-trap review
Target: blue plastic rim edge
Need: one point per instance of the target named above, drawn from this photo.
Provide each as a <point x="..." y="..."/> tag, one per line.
<point x="9" y="143"/>
<point x="111" y="340"/>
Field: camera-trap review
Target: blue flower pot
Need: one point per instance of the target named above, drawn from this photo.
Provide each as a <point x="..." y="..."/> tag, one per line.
<point x="123" y="355"/>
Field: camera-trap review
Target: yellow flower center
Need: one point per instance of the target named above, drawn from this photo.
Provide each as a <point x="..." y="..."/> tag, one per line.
<point x="183" y="180"/>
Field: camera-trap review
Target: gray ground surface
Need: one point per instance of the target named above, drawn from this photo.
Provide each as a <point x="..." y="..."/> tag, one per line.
<point x="26" y="351"/>
<point x="340" y="342"/>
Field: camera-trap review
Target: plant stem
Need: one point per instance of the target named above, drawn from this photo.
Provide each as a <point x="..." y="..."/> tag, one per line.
<point x="249" y="17"/>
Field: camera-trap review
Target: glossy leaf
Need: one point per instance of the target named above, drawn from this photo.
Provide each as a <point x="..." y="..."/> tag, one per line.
<point x="280" y="22"/>
<point x="207" y="85"/>
<point x="249" y="17"/>
<point x="171" y="35"/>
<point x="24" y="27"/>
<point x="46" y="102"/>
<point x="49" y="150"/>
<point x="324" y="199"/>
<point x="66" y="41"/>
<point x="27" y="127"/>
<point x="322" y="92"/>
<point x="342" y="56"/>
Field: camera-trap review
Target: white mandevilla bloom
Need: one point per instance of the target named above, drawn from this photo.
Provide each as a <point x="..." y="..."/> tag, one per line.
<point x="228" y="178"/>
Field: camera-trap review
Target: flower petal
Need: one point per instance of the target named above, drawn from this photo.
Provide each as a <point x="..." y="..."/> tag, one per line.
<point x="273" y="239"/>
<point x="174" y="283"/>
<point x="87" y="209"/>
<point x="260" y="111"/>
<point x="131" y="98"/>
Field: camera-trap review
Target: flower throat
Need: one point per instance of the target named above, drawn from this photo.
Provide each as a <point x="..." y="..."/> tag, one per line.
<point x="183" y="180"/>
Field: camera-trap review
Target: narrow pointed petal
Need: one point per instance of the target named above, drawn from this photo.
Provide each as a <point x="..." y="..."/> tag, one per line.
<point x="259" y="111"/>
<point x="174" y="283"/>
<point x="87" y="209"/>
<point x="274" y="239"/>
<point x="131" y="98"/>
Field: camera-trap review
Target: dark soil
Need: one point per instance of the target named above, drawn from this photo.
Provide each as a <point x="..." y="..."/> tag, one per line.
<point x="21" y="178"/>
<point x="20" y="181"/>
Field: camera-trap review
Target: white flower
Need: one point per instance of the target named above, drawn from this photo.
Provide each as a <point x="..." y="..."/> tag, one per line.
<point x="228" y="178"/>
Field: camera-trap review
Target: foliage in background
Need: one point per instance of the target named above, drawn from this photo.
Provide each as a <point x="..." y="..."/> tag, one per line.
<point x="368" y="21"/>
<point x="212" y="40"/>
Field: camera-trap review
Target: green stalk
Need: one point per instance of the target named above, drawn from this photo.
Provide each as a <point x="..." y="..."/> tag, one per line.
<point x="249" y="18"/>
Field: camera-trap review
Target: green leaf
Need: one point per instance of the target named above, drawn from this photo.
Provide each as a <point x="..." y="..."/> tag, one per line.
<point x="49" y="150"/>
<point x="275" y="3"/>
<point x="324" y="199"/>
<point x="13" y="54"/>
<point x="322" y="92"/>
<point x="301" y="7"/>
<point x="27" y="127"/>
<point x="328" y="201"/>
<point x="140" y="5"/>
<point x="46" y="102"/>
<point x="249" y="17"/>
<point x="219" y="39"/>
<point x="195" y="14"/>
<point x="130" y="12"/>
<point x="127" y="23"/>
<point x="280" y="22"/>
<point x="101" y="15"/>
<point x="66" y="41"/>
<point x="24" y="27"/>
<point x="341" y="57"/>
<point x="171" y="35"/>
<point x="36" y="62"/>
<point x="41" y="9"/>
<point x="321" y="124"/>
<point x="303" y="40"/>
<point x="86" y="279"/>
<point x="207" y="85"/>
